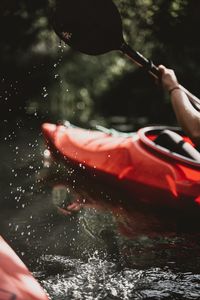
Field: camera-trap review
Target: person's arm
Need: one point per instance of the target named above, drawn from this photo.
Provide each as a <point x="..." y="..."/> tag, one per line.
<point x="187" y="116"/>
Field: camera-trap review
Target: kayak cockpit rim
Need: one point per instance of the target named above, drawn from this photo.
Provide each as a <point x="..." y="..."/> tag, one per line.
<point x="144" y="134"/>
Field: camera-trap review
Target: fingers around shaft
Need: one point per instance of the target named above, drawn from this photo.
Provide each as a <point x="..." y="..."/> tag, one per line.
<point x="168" y="78"/>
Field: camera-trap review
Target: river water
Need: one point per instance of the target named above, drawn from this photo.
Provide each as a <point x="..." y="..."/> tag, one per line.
<point x="82" y="237"/>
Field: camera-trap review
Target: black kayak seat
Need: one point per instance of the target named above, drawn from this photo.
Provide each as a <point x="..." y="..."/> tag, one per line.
<point x="174" y="142"/>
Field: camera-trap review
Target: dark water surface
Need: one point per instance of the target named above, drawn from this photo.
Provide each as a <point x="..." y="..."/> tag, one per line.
<point x="83" y="238"/>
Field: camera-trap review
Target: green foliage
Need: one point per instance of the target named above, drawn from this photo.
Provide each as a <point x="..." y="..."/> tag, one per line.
<point x="39" y="76"/>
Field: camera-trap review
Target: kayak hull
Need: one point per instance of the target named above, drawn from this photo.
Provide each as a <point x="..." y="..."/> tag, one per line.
<point x="16" y="282"/>
<point x="153" y="177"/>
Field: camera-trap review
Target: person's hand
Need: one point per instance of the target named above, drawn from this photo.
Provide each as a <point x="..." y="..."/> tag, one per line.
<point x="168" y="78"/>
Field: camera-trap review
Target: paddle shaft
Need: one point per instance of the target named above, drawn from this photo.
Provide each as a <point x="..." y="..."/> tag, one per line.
<point x="142" y="61"/>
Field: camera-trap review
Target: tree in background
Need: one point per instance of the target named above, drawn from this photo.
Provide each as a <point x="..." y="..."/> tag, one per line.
<point x="165" y="31"/>
<point x="39" y="77"/>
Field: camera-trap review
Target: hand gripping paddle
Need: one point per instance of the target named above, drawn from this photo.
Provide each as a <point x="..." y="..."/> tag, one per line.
<point x="94" y="27"/>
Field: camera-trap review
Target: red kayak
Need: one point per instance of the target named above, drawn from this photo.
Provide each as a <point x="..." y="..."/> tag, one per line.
<point x="158" y="165"/>
<point x="16" y="282"/>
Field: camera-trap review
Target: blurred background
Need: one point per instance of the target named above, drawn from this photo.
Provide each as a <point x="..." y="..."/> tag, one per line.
<point x="41" y="79"/>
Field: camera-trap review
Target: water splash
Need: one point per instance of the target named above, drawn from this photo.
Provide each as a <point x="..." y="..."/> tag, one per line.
<point x="99" y="279"/>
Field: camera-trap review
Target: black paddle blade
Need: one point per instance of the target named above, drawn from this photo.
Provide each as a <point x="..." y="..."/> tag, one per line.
<point x="90" y="26"/>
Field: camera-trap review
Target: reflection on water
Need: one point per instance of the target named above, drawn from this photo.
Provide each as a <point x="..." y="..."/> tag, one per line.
<point x="86" y="239"/>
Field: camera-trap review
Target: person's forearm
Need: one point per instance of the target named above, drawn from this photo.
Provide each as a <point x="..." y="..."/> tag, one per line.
<point x="187" y="116"/>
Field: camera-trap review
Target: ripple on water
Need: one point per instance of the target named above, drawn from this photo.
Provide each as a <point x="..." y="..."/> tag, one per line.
<point x="99" y="279"/>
